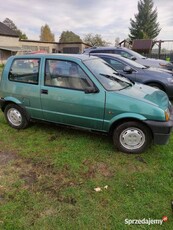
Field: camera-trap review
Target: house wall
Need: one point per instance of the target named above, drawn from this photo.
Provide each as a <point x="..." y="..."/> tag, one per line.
<point x="4" y="55"/>
<point x="35" y="46"/>
<point x="25" y="46"/>
<point x="73" y="46"/>
<point x="9" y="41"/>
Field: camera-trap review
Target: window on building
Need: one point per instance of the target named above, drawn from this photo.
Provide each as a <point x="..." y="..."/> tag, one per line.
<point x="71" y="50"/>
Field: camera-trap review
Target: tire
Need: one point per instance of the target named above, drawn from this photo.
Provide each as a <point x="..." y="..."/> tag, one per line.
<point x="157" y="86"/>
<point x="132" y="137"/>
<point x="16" y="116"/>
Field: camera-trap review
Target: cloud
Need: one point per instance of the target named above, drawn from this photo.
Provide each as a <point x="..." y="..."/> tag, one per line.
<point x="109" y="18"/>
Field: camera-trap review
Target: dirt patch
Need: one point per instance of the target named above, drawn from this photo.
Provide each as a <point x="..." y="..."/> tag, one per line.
<point x="19" y="174"/>
<point x="97" y="169"/>
<point x="6" y="157"/>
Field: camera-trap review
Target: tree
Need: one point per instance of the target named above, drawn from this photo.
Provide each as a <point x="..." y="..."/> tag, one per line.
<point x="8" y="22"/>
<point x="145" y="25"/>
<point x="69" y="36"/>
<point x="46" y="35"/>
<point x="94" y="40"/>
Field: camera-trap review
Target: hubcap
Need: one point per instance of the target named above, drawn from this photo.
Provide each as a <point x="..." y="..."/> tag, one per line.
<point x="14" y="117"/>
<point x="132" y="138"/>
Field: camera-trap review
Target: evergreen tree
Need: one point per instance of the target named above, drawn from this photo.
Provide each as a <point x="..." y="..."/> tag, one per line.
<point x="69" y="36"/>
<point x="46" y="34"/>
<point x="145" y="25"/>
<point x="8" y="22"/>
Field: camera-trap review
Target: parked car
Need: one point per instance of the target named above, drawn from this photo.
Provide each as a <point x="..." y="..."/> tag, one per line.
<point x="84" y="92"/>
<point x="130" y="54"/>
<point x="136" y="72"/>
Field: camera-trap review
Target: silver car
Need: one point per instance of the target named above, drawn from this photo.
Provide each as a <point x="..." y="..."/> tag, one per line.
<point x="130" y="54"/>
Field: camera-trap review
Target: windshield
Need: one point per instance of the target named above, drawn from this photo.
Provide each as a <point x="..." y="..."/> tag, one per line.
<point x="137" y="55"/>
<point x="133" y="63"/>
<point x="106" y="75"/>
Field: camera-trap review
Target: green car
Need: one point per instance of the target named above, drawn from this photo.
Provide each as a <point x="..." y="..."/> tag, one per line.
<point x="84" y="92"/>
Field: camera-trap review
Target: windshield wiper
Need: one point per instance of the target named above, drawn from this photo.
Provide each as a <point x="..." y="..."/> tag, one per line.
<point x="117" y="79"/>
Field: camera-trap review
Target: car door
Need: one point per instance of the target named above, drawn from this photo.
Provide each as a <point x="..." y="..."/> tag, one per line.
<point x="64" y="99"/>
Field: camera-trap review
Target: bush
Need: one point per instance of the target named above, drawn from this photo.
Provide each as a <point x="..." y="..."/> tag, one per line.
<point x="1" y="65"/>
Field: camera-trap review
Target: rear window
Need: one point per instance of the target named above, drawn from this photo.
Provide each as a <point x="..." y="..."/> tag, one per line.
<point x="25" y="71"/>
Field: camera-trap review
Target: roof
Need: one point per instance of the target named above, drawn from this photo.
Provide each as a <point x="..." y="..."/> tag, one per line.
<point x="57" y="55"/>
<point x="60" y="43"/>
<point x="11" y="48"/>
<point x="6" y="31"/>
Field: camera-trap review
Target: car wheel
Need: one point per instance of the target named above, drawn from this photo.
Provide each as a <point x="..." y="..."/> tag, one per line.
<point x="16" y="116"/>
<point x="132" y="137"/>
<point x="157" y="86"/>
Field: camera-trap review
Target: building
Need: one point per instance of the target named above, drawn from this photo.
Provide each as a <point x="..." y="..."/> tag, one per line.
<point x="10" y="44"/>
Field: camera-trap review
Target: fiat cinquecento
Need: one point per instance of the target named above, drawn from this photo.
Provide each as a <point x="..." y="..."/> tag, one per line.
<point x="83" y="91"/>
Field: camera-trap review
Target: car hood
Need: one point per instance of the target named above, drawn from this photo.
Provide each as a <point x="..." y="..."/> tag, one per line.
<point x="147" y="94"/>
<point x="154" y="62"/>
<point x="160" y="70"/>
<point x="157" y="72"/>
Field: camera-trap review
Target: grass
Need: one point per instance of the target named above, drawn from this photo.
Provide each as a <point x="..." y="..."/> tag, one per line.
<point x="1" y="67"/>
<point x="48" y="176"/>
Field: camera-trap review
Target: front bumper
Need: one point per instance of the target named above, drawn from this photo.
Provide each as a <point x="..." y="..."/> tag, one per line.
<point x="161" y="130"/>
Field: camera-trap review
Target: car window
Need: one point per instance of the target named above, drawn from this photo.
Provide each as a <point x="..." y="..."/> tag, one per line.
<point x="125" y="54"/>
<point x="65" y="74"/>
<point x="96" y="51"/>
<point x="103" y="51"/>
<point x="25" y="71"/>
<point x="115" y="63"/>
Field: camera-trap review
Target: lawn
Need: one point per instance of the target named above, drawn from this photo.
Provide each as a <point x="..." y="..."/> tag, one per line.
<point x="1" y="67"/>
<point x="49" y="174"/>
<point x="49" y="177"/>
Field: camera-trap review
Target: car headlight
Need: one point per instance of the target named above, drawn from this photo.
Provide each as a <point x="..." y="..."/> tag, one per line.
<point x="167" y="114"/>
<point x="170" y="80"/>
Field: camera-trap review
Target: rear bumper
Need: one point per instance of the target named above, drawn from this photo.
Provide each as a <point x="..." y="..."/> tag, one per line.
<point x="161" y="130"/>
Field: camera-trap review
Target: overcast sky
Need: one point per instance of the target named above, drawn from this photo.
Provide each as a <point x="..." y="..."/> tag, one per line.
<point x="109" y="18"/>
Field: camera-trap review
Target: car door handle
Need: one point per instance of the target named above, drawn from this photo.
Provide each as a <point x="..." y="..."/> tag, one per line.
<point x="44" y="91"/>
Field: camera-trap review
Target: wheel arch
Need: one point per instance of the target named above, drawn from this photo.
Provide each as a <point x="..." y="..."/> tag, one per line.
<point x="156" y="83"/>
<point x="123" y="120"/>
<point x="15" y="102"/>
<point x="10" y="100"/>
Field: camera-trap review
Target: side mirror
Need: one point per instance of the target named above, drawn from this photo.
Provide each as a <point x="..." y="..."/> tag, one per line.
<point x="133" y="58"/>
<point x="91" y="90"/>
<point x="128" y="69"/>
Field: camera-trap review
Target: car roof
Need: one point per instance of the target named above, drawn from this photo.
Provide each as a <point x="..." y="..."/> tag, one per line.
<point x="111" y="55"/>
<point x="103" y="48"/>
<point x="81" y="57"/>
<point x="108" y="55"/>
<point x="119" y="57"/>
